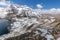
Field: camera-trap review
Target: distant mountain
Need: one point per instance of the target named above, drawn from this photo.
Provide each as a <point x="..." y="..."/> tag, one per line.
<point x="51" y="15"/>
<point x="27" y="23"/>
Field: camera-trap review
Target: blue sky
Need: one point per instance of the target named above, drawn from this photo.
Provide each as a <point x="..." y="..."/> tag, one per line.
<point x="47" y="4"/>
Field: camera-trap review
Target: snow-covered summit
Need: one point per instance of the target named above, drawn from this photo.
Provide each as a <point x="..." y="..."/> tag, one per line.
<point x="25" y="19"/>
<point x="21" y="10"/>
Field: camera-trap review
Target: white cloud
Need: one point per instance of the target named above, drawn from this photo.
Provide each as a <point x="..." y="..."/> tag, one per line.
<point x="51" y="11"/>
<point x="39" y="6"/>
<point x="48" y="11"/>
<point x="4" y="3"/>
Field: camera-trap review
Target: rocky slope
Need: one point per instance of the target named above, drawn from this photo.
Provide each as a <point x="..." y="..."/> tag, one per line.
<point x="29" y="24"/>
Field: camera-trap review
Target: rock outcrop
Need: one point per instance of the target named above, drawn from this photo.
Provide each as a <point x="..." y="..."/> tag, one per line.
<point x="27" y="24"/>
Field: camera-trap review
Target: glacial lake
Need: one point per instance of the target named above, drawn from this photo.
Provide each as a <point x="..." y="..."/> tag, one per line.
<point x="3" y="26"/>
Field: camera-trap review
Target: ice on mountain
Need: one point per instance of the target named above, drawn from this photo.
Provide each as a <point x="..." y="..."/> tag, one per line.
<point x="58" y="38"/>
<point x="49" y="37"/>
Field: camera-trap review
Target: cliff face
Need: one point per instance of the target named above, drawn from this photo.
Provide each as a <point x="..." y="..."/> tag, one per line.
<point x="29" y="24"/>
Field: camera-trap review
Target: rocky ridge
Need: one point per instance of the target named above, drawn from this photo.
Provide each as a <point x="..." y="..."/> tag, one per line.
<point x="27" y="24"/>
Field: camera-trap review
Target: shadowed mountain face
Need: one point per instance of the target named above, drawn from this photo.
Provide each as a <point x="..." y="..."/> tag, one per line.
<point x="3" y="26"/>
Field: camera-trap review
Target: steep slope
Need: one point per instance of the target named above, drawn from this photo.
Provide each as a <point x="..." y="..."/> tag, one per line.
<point x="28" y="23"/>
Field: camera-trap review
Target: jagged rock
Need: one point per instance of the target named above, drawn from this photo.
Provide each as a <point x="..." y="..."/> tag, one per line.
<point x="27" y="24"/>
